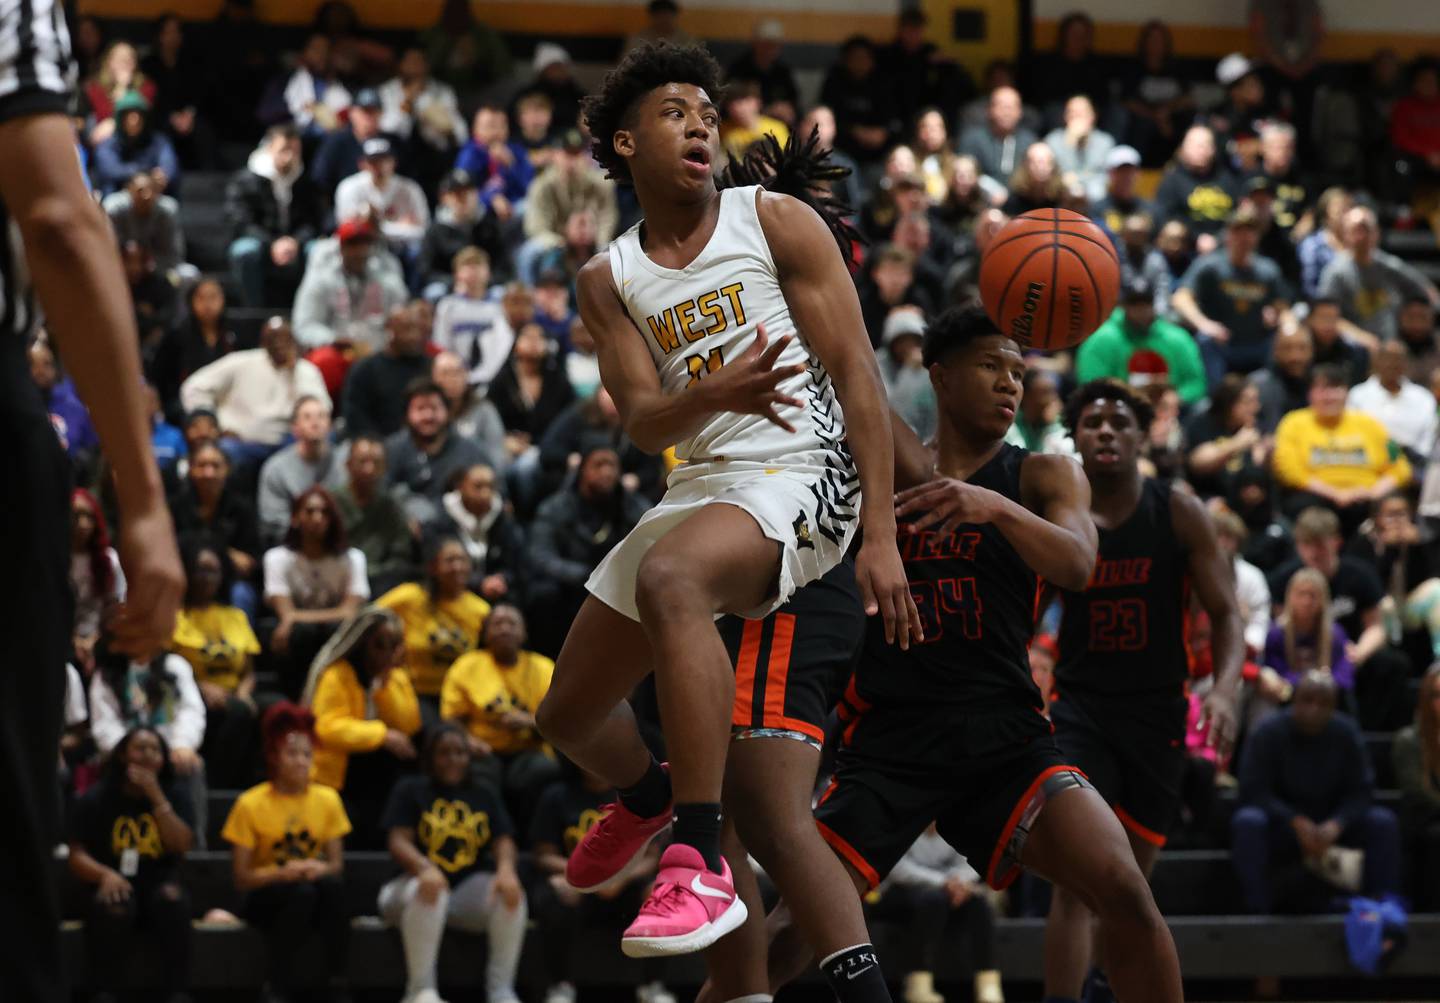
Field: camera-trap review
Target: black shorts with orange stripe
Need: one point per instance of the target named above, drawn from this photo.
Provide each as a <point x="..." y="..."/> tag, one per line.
<point x="1132" y="749"/>
<point x="791" y="667"/>
<point x="982" y="777"/>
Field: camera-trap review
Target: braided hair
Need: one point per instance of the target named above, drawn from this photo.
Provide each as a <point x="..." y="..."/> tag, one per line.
<point x="803" y="170"/>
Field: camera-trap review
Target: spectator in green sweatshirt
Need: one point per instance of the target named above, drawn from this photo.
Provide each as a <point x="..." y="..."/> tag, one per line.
<point x="1134" y="329"/>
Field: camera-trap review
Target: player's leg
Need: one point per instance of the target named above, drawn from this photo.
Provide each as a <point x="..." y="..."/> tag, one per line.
<point x="1096" y="985"/>
<point x="586" y="716"/>
<point x="768" y="786"/>
<point x="716" y="561"/>
<point x="1070" y="927"/>
<point x="1077" y="843"/>
<point x="736" y="963"/>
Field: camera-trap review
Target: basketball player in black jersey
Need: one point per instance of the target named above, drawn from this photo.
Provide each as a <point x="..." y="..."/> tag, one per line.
<point x="70" y="258"/>
<point x="1121" y="706"/>
<point x="953" y="731"/>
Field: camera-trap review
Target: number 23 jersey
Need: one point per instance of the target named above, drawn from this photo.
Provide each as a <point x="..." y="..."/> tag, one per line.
<point x="698" y="318"/>
<point x="977" y="602"/>
<point x="1125" y="634"/>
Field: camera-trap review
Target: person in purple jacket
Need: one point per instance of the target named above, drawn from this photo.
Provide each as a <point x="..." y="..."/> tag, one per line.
<point x="1306" y="637"/>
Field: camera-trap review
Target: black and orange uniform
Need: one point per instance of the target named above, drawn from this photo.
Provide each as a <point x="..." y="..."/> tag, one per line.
<point x="1120" y="707"/>
<point x="953" y="730"/>
<point x="792" y="666"/>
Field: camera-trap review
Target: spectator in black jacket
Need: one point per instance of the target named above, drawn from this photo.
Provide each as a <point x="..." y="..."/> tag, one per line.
<point x="460" y="221"/>
<point x="202" y="336"/>
<point x="474" y="513"/>
<point x="779" y="96"/>
<point x="864" y="110"/>
<point x="531" y="390"/>
<point x="1197" y="189"/>
<point x="375" y="388"/>
<point x="589" y="424"/>
<point x="274" y="211"/>
<point x="153" y="295"/>
<point x="208" y="505"/>
<point x="572" y="532"/>
<point x="1305" y="788"/>
<point x="920" y="74"/>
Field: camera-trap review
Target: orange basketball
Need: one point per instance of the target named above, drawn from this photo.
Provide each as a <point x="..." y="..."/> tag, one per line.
<point x="1050" y="278"/>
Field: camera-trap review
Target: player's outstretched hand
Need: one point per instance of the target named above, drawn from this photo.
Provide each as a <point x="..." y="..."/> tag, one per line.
<point x="145" y="622"/>
<point x="748" y="384"/>
<point x="1217" y="717"/>
<point x="883" y="589"/>
<point x="946" y="503"/>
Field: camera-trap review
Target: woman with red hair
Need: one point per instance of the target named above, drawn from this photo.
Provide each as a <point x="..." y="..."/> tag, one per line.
<point x="285" y="837"/>
<point x="314" y="582"/>
<point x="95" y="576"/>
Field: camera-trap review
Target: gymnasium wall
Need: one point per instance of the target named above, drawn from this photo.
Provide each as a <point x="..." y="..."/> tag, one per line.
<point x="1202" y="27"/>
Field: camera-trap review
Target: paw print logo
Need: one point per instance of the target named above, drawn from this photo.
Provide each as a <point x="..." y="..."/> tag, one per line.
<point x="453" y="834"/>
<point x="218" y="655"/>
<point x="575" y="833"/>
<point x="801" y="527"/>
<point x="447" y="643"/>
<point x="295" y="845"/>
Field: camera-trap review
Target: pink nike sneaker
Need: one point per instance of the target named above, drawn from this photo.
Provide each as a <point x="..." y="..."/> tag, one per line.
<point x="610" y="846"/>
<point x="690" y="907"/>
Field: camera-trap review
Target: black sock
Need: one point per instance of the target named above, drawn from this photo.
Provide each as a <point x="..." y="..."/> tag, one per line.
<point x="1097" y="988"/>
<point x="698" y="824"/>
<point x="650" y="795"/>
<point x="854" y="975"/>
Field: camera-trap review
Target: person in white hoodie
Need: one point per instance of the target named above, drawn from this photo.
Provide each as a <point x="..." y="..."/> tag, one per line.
<point x="943" y="903"/>
<point x="396" y="203"/>
<point x="159" y="694"/>
<point x="275" y="212"/>
<point x="346" y="297"/>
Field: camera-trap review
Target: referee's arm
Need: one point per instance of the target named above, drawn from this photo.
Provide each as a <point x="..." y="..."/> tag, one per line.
<point x="75" y="268"/>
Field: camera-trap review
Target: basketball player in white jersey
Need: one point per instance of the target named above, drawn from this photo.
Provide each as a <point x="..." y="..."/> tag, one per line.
<point x="726" y="325"/>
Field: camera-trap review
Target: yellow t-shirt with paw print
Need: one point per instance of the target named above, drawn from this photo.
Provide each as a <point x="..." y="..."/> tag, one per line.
<point x="436" y="632"/>
<point x="281" y="827"/>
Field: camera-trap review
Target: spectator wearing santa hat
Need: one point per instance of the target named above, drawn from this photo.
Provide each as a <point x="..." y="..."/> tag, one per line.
<point x="1136" y="346"/>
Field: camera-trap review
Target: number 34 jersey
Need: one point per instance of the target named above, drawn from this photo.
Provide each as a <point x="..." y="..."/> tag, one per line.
<point x="698" y="318"/>
<point x="977" y="601"/>
<point x="1125" y="634"/>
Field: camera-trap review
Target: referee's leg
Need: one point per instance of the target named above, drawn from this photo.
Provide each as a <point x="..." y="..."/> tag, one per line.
<point x="35" y="625"/>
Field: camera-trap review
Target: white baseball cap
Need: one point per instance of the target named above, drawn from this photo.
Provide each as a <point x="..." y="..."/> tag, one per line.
<point x="1122" y="156"/>
<point x="1233" y="68"/>
<point x="548" y="54"/>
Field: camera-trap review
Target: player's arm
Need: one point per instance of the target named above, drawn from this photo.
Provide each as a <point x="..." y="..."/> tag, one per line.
<point x="1050" y="528"/>
<point x="826" y="310"/>
<point x="1214" y="583"/>
<point x="655" y="420"/>
<point x="914" y="461"/>
<point x="75" y="266"/>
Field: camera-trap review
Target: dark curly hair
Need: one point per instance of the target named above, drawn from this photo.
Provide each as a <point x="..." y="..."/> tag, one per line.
<point x="803" y="170"/>
<point x="651" y="65"/>
<point x="1107" y="389"/>
<point x="953" y="330"/>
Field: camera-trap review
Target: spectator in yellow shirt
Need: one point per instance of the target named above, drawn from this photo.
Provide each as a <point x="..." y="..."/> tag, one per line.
<point x="442" y="619"/>
<point x="366" y="713"/>
<point x="1334" y="457"/>
<point x="218" y="642"/>
<point x="287" y="857"/>
<point x="493" y="693"/>
<point x="744" y="124"/>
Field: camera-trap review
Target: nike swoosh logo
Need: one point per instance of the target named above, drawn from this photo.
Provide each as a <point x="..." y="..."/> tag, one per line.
<point x="701" y="888"/>
<point x="854" y="975"/>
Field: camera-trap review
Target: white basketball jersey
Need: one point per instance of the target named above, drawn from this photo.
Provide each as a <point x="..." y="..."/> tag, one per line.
<point x="698" y="318"/>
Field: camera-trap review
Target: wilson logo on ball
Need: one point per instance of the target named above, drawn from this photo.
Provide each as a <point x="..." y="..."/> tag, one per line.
<point x="1023" y="324"/>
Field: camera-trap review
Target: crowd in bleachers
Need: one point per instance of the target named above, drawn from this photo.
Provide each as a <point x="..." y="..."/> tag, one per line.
<point x="391" y="484"/>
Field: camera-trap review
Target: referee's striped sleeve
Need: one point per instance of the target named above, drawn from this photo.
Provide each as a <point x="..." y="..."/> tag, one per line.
<point x="35" y="66"/>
